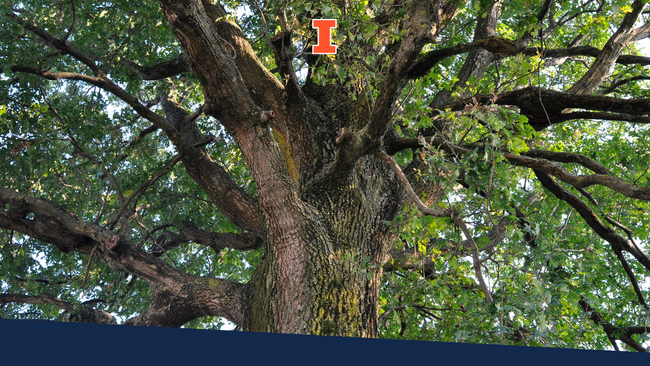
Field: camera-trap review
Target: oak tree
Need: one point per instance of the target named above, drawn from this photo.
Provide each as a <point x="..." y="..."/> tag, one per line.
<point x="470" y="171"/>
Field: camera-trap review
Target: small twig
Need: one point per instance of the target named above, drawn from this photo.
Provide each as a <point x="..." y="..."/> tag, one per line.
<point x="74" y="18"/>
<point x="372" y="98"/>
<point x="539" y="86"/>
<point x="475" y="257"/>
<point x="92" y="253"/>
<point x="138" y="192"/>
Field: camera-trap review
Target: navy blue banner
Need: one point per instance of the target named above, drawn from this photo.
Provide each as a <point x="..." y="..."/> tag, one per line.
<point x="25" y="342"/>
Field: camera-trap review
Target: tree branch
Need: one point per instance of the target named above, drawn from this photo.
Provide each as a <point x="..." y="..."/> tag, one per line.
<point x="59" y="227"/>
<point x="247" y="218"/>
<point x="416" y="32"/>
<point x="76" y="313"/>
<point x="124" y="203"/>
<point x="201" y="297"/>
<point x="582" y="181"/>
<point x="590" y="217"/>
<point x="409" y="191"/>
<point x="441" y="213"/>
<point x="612" y="332"/>
<point x="565" y="157"/>
<point x="217" y="241"/>
<point x="475" y="258"/>
<point x="74" y="19"/>
<point x="497" y="45"/>
<point x="231" y="98"/>
<point x="615" y="84"/>
<point x="412" y="259"/>
<point x="61" y="45"/>
<point x="546" y="6"/>
<point x="162" y="70"/>
<point x="219" y="185"/>
<point x="100" y="80"/>
<point x="36" y="300"/>
<point x="530" y="159"/>
<point x="238" y="206"/>
<point x="543" y="168"/>
<point x="176" y="296"/>
<point x="107" y="85"/>
<point x="555" y="103"/>
<point x="584" y="51"/>
<point x="590" y="81"/>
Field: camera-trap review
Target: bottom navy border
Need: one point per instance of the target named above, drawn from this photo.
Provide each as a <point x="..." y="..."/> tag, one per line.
<point x="27" y="342"/>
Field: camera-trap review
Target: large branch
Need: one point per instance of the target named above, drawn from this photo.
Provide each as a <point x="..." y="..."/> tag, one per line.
<point x="265" y="89"/>
<point x="507" y="48"/>
<point x="63" y="46"/>
<point x="176" y="296"/>
<point x="36" y="300"/>
<point x="238" y="206"/>
<point x="546" y="107"/>
<point x="580" y="181"/>
<point x="432" y="58"/>
<point x="200" y="297"/>
<point x="590" y="81"/>
<point x="234" y="203"/>
<point x="416" y="31"/>
<point x="162" y="70"/>
<point x="61" y="228"/>
<point x="77" y="314"/>
<point x="566" y="157"/>
<point x="229" y="99"/>
<point x="497" y="45"/>
<point x="613" y="332"/>
<point x="216" y="241"/>
<point x="584" y="51"/>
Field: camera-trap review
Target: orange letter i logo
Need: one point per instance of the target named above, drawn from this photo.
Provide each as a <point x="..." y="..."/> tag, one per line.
<point x="324" y="45"/>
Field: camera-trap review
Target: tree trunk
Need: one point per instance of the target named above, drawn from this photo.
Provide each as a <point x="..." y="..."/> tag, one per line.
<point x="325" y="278"/>
<point x="322" y="212"/>
<point x="335" y="270"/>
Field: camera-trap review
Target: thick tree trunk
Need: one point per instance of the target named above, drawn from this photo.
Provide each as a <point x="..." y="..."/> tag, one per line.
<point x="335" y="268"/>
<point x="321" y="215"/>
<point x="342" y="256"/>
